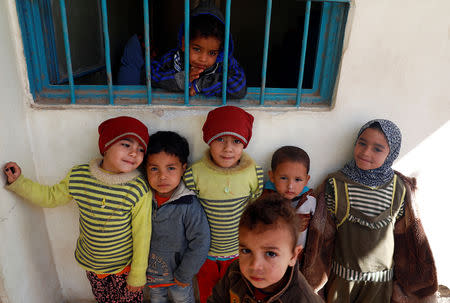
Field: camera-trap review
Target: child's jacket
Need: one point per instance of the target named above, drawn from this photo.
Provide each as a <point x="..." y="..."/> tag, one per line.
<point x="304" y="205"/>
<point x="180" y="239"/>
<point x="168" y="71"/>
<point x="224" y="193"/>
<point x="403" y="256"/>
<point x="234" y="288"/>
<point x="115" y="213"/>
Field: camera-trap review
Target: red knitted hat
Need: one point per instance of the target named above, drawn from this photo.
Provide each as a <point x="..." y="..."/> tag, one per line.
<point x="115" y="129"/>
<point x="228" y="121"/>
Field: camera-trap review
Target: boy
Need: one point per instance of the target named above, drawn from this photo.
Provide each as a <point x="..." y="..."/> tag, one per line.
<point x="225" y="179"/>
<point x="180" y="233"/>
<point x="205" y="59"/>
<point x="289" y="177"/>
<point x="114" y="203"/>
<point x="267" y="269"/>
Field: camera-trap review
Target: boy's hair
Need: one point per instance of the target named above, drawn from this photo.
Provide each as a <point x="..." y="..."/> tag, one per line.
<point x="206" y="25"/>
<point x="269" y="210"/>
<point x="290" y="154"/>
<point x="169" y="142"/>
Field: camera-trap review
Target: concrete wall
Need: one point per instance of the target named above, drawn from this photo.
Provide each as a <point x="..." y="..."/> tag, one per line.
<point x="396" y="66"/>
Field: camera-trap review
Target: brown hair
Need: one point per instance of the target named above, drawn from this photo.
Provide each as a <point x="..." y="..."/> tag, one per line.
<point x="290" y="154"/>
<point x="268" y="212"/>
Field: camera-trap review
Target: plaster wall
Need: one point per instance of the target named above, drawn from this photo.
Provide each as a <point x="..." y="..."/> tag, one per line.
<point x="395" y="65"/>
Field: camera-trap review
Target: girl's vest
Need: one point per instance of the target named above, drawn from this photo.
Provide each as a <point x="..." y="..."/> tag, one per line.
<point x="364" y="246"/>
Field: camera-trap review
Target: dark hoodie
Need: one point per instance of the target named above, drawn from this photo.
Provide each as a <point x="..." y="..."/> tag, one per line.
<point x="168" y="71"/>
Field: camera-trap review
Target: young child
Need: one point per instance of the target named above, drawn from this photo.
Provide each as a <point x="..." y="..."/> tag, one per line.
<point x="225" y="179"/>
<point x="115" y="210"/>
<point x="378" y="251"/>
<point x="289" y="177"/>
<point x="267" y="269"/>
<point x="207" y="31"/>
<point x="180" y="232"/>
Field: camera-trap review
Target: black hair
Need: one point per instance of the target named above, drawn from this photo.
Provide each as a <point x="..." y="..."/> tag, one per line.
<point x="267" y="211"/>
<point x="206" y="25"/>
<point x="290" y="154"/>
<point x="169" y="142"/>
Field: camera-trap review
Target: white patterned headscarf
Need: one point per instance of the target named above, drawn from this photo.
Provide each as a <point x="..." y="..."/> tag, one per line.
<point x="383" y="174"/>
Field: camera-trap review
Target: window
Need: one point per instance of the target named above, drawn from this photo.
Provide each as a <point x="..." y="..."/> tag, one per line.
<point x="73" y="49"/>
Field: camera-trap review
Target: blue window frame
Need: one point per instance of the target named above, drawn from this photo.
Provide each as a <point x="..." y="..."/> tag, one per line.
<point x="48" y="76"/>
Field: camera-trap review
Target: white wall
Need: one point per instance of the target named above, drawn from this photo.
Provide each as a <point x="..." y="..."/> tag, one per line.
<point x="396" y="66"/>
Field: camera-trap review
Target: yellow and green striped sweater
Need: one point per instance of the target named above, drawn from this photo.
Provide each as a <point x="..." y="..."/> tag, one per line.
<point x="115" y="214"/>
<point x="224" y="193"/>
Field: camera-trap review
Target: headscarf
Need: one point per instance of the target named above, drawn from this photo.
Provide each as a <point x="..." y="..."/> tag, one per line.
<point x="383" y="174"/>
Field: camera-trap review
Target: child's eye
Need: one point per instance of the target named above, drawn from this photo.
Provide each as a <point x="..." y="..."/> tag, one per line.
<point x="126" y="144"/>
<point x="271" y="254"/>
<point x="213" y="53"/>
<point x="141" y="150"/>
<point x="378" y="150"/>
<point x="171" y="168"/>
<point x="219" y="139"/>
<point x="283" y="178"/>
<point x="236" y="141"/>
<point x="361" y="143"/>
<point x="196" y="49"/>
<point x="298" y="180"/>
<point x="244" y="251"/>
<point x="153" y="169"/>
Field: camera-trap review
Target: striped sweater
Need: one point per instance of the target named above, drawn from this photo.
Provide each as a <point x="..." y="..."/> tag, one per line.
<point x="224" y="193"/>
<point x="115" y="214"/>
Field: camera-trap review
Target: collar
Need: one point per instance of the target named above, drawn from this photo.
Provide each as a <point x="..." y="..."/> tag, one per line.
<point x="108" y="178"/>
<point x="244" y="163"/>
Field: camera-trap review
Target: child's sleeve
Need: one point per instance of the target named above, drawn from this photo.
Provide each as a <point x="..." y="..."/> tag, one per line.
<point x="257" y="184"/>
<point x="189" y="180"/>
<point x="211" y="84"/>
<point x="131" y="63"/>
<point x="141" y="226"/>
<point x="167" y="72"/>
<point x="221" y="291"/>
<point x="42" y="195"/>
<point x="198" y="238"/>
<point x="414" y="270"/>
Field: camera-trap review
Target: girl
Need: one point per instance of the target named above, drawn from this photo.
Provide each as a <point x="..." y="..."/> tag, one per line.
<point x="374" y="248"/>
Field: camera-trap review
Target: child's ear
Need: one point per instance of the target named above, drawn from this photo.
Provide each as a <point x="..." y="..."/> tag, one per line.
<point x="184" y="167"/>
<point x="182" y="43"/>
<point x="271" y="176"/>
<point x="307" y="178"/>
<point x="297" y="250"/>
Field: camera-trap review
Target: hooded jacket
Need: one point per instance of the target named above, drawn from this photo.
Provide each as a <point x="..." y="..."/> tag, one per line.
<point x="180" y="239"/>
<point x="168" y="71"/>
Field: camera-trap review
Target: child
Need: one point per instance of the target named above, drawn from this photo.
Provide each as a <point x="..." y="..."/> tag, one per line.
<point x="114" y="203"/>
<point x="378" y="251"/>
<point x="267" y="269"/>
<point x="289" y="177"/>
<point x="224" y="180"/>
<point x="180" y="233"/>
<point x="205" y="59"/>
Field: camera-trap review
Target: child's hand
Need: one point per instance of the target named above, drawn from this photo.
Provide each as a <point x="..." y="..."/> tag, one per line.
<point x="192" y="92"/>
<point x="194" y="73"/>
<point x="134" y="288"/>
<point x="12" y="171"/>
<point x="179" y="283"/>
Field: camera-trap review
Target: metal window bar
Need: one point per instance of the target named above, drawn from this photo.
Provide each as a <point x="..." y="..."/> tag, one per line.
<point x="147" y="53"/>
<point x="65" y="29"/>
<point x="186" y="51"/>
<point x="225" y="54"/>
<point x="302" y="58"/>
<point x="266" y="51"/>
<point x="107" y="52"/>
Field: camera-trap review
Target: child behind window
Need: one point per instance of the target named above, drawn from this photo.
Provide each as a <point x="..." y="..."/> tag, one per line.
<point x="206" y="44"/>
<point x="115" y="210"/>
<point x="267" y="269"/>
<point x="180" y="233"/>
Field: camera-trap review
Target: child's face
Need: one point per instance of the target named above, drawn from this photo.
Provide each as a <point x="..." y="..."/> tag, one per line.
<point x="289" y="178"/>
<point x="124" y="156"/>
<point x="264" y="255"/>
<point x="164" y="172"/>
<point x="371" y="149"/>
<point x="226" y="151"/>
<point x="203" y="52"/>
